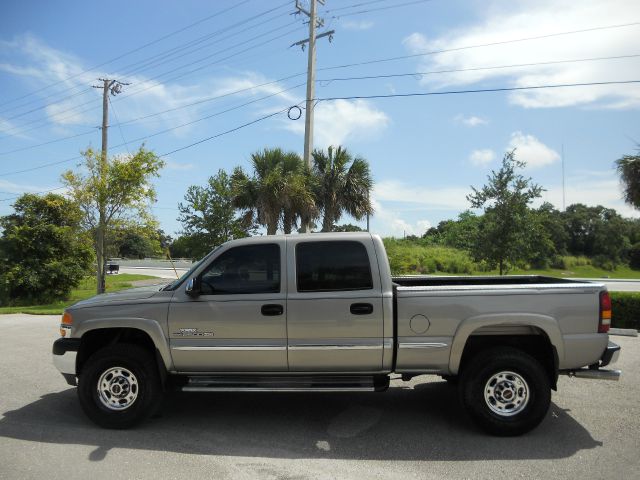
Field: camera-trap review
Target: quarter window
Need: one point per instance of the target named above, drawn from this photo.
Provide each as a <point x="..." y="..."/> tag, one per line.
<point x="332" y="266"/>
<point x="246" y="269"/>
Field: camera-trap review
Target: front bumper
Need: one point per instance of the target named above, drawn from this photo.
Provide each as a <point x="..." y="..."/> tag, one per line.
<point x="65" y="351"/>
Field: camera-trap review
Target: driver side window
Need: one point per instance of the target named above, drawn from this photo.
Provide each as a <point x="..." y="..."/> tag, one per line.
<point x="242" y="270"/>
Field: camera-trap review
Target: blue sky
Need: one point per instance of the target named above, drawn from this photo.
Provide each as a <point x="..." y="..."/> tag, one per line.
<point x="424" y="152"/>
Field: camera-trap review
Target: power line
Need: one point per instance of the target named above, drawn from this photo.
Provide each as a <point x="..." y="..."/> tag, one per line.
<point x="475" y="69"/>
<point x="480" y="90"/>
<point x="406" y="4"/>
<point x="29" y="147"/>
<point x="226" y="132"/>
<point x="164" y="37"/>
<point x="163" y="56"/>
<point x="119" y="126"/>
<point x="327" y="80"/>
<point x="490" y="44"/>
<point x="45" y="121"/>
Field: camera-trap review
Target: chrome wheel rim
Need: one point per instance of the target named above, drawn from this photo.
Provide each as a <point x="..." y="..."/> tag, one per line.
<point x="117" y="388"/>
<point x="506" y="393"/>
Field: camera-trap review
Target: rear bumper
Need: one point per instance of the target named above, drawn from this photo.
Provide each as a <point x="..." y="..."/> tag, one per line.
<point x="610" y="355"/>
<point x="65" y="351"/>
<point x="595" y="371"/>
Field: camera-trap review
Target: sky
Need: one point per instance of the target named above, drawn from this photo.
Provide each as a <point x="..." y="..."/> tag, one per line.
<point x="199" y="70"/>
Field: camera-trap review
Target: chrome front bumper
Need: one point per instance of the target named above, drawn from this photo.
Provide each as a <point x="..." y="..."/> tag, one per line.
<point x="65" y="351"/>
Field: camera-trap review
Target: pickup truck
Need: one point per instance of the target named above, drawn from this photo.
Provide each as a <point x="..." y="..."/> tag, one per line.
<point x="322" y="312"/>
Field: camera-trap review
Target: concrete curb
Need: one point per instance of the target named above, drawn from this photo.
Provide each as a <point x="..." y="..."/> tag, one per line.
<point x="625" y="332"/>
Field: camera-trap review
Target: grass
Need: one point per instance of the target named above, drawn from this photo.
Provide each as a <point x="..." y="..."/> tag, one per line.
<point x="86" y="289"/>
<point x="583" y="271"/>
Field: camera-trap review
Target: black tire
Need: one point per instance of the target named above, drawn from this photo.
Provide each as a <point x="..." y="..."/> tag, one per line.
<point x="138" y="373"/>
<point x="519" y="389"/>
<point x="452" y="380"/>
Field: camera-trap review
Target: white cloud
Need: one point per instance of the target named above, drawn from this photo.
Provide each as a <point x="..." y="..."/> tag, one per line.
<point x="501" y="20"/>
<point x="357" y="25"/>
<point x="341" y="120"/>
<point x="171" y="165"/>
<point x="436" y="198"/>
<point x="471" y="121"/>
<point x="19" y="188"/>
<point x="394" y="225"/>
<point x="40" y="64"/>
<point x="532" y="151"/>
<point x="481" y="158"/>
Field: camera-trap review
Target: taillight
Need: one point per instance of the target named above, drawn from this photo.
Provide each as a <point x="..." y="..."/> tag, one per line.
<point x="605" y="312"/>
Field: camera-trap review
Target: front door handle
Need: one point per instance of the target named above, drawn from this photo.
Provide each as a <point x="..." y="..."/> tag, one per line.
<point x="361" y="308"/>
<point x="271" y="310"/>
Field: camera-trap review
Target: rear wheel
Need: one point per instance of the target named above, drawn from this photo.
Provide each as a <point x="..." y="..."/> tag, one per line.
<point x="506" y="391"/>
<point x="119" y="386"/>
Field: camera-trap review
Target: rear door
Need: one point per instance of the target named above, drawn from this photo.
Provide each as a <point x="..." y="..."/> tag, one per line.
<point x="334" y="305"/>
<point x="238" y="321"/>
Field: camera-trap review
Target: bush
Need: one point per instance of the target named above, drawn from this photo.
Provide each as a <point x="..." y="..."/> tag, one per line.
<point x="568" y="262"/>
<point x="634" y="256"/>
<point x="625" y="310"/>
<point x="604" y="262"/>
<point x="43" y="254"/>
<point x="411" y="258"/>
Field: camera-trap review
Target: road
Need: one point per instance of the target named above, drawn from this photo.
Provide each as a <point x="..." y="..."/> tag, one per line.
<point x="613" y="285"/>
<point x="415" y="430"/>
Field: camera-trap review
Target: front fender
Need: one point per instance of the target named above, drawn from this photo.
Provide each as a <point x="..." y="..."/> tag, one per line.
<point x="150" y="327"/>
<point x="547" y="324"/>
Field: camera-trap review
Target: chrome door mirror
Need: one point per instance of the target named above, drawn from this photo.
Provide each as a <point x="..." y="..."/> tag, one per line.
<point x="192" y="288"/>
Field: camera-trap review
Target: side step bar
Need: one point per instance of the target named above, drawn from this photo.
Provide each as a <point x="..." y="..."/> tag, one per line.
<point x="283" y="383"/>
<point x="594" y="374"/>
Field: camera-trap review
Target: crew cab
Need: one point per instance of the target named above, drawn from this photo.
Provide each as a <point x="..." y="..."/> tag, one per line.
<point x="322" y="312"/>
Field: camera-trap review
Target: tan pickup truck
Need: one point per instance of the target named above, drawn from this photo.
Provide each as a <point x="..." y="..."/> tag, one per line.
<point x="321" y="312"/>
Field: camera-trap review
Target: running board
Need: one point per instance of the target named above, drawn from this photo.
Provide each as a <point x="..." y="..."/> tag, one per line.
<point x="283" y="383"/>
<point x="595" y="374"/>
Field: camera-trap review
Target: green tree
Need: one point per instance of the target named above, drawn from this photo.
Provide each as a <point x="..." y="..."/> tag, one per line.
<point x="342" y="184"/>
<point x="347" y="227"/>
<point x="629" y="170"/>
<point x="108" y="190"/>
<point x="278" y="192"/>
<point x="209" y="215"/>
<point x="43" y="251"/>
<point x="460" y="233"/>
<point x="507" y="225"/>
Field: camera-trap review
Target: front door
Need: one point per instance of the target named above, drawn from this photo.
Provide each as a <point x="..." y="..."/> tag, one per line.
<point x="237" y="322"/>
<point x="334" y="306"/>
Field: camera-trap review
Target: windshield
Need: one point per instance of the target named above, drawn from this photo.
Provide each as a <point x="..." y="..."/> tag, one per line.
<point x="177" y="282"/>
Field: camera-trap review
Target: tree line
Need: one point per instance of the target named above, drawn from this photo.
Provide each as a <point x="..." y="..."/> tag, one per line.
<point x="50" y="242"/>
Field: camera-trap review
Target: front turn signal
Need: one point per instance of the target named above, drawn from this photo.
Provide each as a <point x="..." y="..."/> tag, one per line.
<point x="65" y="326"/>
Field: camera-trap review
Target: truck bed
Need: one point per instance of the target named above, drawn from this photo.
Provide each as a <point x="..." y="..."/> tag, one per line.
<point x="482" y="281"/>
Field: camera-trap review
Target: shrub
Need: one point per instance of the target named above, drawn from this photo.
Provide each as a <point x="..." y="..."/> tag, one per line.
<point x="43" y="254"/>
<point x="626" y="309"/>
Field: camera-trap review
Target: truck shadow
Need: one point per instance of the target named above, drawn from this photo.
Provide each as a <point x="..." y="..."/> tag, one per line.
<point x="424" y="423"/>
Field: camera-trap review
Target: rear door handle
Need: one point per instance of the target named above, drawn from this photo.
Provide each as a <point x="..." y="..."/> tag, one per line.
<point x="271" y="310"/>
<point x="361" y="308"/>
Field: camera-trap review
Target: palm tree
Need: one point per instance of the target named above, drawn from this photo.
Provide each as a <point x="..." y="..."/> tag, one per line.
<point x="342" y="185"/>
<point x="629" y="170"/>
<point x="279" y="191"/>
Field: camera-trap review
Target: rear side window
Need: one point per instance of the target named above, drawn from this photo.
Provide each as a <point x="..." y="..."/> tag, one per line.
<point x="332" y="266"/>
<point x="242" y="270"/>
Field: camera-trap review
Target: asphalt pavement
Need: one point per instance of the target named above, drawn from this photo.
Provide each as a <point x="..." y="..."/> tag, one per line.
<point x="414" y="430"/>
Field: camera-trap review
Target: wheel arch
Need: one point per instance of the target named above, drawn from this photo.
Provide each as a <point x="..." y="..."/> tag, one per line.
<point x="537" y="335"/>
<point x="101" y="333"/>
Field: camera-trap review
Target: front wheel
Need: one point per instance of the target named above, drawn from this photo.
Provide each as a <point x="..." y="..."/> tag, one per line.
<point x="506" y="391"/>
<point x="119" y="386"/>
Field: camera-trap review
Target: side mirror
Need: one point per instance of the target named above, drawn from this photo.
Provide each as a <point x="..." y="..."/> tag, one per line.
<point x="193" y="287"/>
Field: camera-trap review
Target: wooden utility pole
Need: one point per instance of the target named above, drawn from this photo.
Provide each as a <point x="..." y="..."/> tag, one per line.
<point x="314" y="22"/>
<point x="114" y="87"/>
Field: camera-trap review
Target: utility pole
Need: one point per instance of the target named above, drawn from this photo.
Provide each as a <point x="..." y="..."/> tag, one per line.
<point x="314" y="22"/>
<point x="114" y="87"/>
